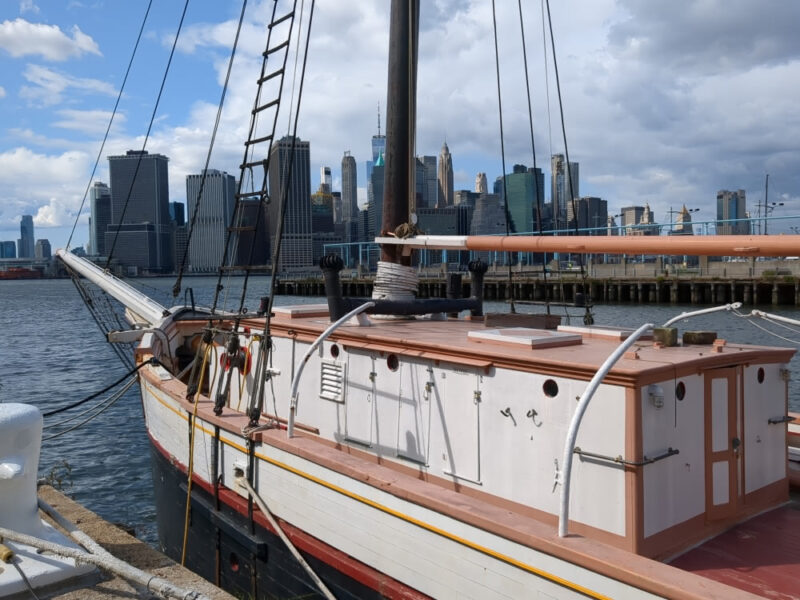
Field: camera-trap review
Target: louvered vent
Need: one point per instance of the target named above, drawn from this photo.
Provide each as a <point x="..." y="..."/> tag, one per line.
<point x="332" y="376"/>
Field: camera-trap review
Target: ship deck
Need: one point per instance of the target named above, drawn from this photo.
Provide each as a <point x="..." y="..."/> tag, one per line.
<point x="761" y="555"/>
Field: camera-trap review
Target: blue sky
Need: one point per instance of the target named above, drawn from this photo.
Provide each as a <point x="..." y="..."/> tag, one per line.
<point x="665" y="103"/>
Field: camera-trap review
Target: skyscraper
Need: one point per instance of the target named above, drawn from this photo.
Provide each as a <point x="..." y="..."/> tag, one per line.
<point x="140" y="209"/>
<point x="42" y="249"/>
<point x="214" y="208"/>
<point x="296" y="245"/>
<point x="25" y="242"/>
<point x="349" y="188"/>
<point x="375" y="198"/>
<point x="732" y="205"/>
<point x="481" y="186"/>
<point x="524" y="190"/>
<point x="325" y="180"/>
<point x="378" y="147"/>
<point x="561" y="193"/>
<point x="100" y="206"/>
<point x="8" y="249"/>
<point x="430" y="184"/>
<point x="445" y="178"/>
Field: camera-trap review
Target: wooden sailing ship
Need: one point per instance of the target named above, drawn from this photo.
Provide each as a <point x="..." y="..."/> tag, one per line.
<point x="441" y="456"/>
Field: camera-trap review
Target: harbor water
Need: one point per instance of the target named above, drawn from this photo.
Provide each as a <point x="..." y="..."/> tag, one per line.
<point x="53" y="354"/>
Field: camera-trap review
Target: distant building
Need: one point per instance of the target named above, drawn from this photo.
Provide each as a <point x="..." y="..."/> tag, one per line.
<point x="296" y="245"/>
<point x="375" y="199"/>
<point x="445" y="178"/>
<point x="732" y="206"/>
<point x="325" y="180"/>
<point x="489" y="216"/>
<point x="322" y="210"/>
<point x="349" y="188"/>
<point x="524" y="192"/>
<point x="592" y="214"/>
<point x="465" y="198"/>
<point x="646" y="225"/>
<point x="629" y="216"/>
<point x="214" y="207"/>
<point x="430" y="182"/>
<point x="100" y="219"/>
<point x="141" y="206"/>
<point x="8" y="249"/>
<point x="378" y="147"/>
<point x="481" y="187"/>
<point x="337" y="208"/>
<point x="561" y="190"/>
<point x="253" y="247"/>
<point x="26" y="241"/>
<point x="42" y="249"/>
<point x="177" y="213"/>
<point x="683" y="224"/>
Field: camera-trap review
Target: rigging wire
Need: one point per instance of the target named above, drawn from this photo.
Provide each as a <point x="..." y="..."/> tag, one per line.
<point x="147" y="135"/>
<point x="176" y="289"/>
<point x="102" y="408"/>
<point x="152" y="361"/>
<point x="110" y="122"/>
<point x="502" y="153"/>
<point x="588" y="319"/>
<point x="533" y="149"/>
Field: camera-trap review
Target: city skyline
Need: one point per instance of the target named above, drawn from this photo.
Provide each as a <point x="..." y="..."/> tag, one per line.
<point x="651" y="117"/>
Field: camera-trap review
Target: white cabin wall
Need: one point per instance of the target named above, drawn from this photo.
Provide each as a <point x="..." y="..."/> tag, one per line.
<point x="674" y="488"/>
<point x="764" y="444"/>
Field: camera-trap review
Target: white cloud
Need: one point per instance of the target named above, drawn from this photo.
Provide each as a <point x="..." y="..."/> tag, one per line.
<point x="48" y="85"/>
<point x="2" y="92"/>
<point x="28" y="6"/>
<point x="23" y="38"/>
<point x="89" y="122"/>
<point x="58" y="191"/>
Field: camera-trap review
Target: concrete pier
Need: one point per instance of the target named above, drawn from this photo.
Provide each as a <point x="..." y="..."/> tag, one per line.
<point x="778" y="291"/>
<point x="127" y="548"/>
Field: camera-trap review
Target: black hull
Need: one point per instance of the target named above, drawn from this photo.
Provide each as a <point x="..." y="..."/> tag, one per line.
<point x="222" y="549"/>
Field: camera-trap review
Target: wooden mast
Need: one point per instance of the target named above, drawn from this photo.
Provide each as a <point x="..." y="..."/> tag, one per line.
<point x="400" y="121"/>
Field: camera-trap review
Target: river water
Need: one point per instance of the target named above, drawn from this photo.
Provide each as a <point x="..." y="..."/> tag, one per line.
<point x="52" y="353"/>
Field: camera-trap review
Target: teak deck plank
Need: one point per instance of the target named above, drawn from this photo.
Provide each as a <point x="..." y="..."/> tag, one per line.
<point x="761" y="555"/>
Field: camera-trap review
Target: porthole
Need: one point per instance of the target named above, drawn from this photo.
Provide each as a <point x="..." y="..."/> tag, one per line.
<point x="335" y="351"/>
<point x="233" y="561"/>
<point x="392" y="362"/>
<point x="680" y="390"/>
<point x="760" y="374"/>
<point x="550" y="388"/>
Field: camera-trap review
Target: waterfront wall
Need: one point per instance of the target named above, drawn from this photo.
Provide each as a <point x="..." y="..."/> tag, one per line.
<point x="775" y="282"/>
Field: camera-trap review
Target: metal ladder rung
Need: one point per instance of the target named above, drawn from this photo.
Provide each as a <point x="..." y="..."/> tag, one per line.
<point x="266" y="78"/>
<point x="258" y="109"/>
<point x="257" y="163"/>
<point x="277" y="22"/>
<point x="274" y="49"/>
<point x="258" y="140"/>
<point x="250" y="194"/>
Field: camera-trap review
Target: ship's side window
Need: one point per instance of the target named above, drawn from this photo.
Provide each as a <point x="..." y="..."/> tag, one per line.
<point x="334" y="350"/>
<point x="680" y="390"/>
<point x="550" y="388"/>
<point x="392" y="362"/>
<point x="760" y="374"/>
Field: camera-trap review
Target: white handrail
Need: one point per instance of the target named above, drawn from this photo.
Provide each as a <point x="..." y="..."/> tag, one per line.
<point x="702" y="311"/>
<point x="572" y="434"/>
<point x="296" y="381"/>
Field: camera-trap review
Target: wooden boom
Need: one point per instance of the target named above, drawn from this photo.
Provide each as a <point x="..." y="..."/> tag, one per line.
<point x="701" y="245"/>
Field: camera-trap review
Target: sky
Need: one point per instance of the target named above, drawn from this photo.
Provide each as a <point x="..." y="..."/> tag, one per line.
<point x="664" y="103"/>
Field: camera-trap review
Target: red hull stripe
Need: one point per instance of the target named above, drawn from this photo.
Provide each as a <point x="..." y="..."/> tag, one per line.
<point x="344" y="563"/>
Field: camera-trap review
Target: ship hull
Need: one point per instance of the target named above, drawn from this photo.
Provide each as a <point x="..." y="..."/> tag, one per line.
<point x="249" y="560"/>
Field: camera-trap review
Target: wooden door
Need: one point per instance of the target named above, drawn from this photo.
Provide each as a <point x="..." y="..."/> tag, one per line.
<point x="723" y="445"/>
